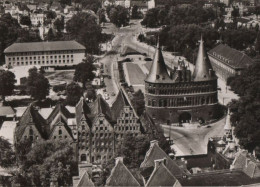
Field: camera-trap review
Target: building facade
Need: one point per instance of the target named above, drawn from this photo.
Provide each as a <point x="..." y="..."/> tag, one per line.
<point x="101" y="128"/>
<point x="46" y="54"/>
<point x="181" y="96"/>
<point x="228" y="62"/>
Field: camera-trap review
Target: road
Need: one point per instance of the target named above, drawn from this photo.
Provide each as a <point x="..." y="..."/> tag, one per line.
<point x="186" y="141"/>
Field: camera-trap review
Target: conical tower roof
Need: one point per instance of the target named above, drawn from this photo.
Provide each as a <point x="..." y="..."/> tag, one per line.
<point x="158" y="72"/>
<point x="202" y="67"/>
<point x="228" y="123"/>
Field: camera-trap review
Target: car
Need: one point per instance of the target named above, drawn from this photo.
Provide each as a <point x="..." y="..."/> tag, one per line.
<point x="113" y="94"/>
<point x="107" y="98"/>
<point x="106" y="94"/>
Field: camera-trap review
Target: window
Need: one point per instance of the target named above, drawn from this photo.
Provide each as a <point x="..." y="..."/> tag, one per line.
<point x="83" y="127"/>
<point x="60" y="132"/>
<point x="101" y="128"/>
<point x="101" y="121"/>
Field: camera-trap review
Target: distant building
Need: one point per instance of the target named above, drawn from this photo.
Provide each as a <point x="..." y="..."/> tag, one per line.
<point x="228" y="62"/>
<point x="37" y="18"/>
<point x="181" y="96"/>
<point x="46" y="54"/>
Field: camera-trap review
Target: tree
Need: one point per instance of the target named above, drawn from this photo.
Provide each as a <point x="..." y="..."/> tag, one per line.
<point x="84" y="71"/>
<point x="7" y="81"/>
<point x="102" y="15"/>
<point x="246" y="110"/>
<point x="59" y="24"/>
<point x="74" y="92"/>
<point x="133" y="150"/>
<point x="47" y="160"/>
<point x="135" y="12"/>
<point x="51" y="15"/>
<point x="37" y="85"/>
<point x="7" y="155"/>
<point x="119" y="16"/>
<point x="84" y="28"/>
<point x="25" y="20"/>
<point x="138" y="102"/>
<point x="50" y="35"/>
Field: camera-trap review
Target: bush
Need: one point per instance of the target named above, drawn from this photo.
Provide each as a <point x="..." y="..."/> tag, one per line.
<point x="58" y="88"/>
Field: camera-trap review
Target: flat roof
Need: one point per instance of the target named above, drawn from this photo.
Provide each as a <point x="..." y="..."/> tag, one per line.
<point x="44" y="46"/>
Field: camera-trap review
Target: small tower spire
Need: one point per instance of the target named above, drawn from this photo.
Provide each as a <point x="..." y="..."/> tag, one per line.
<point x="158" y="71"/>
<point x="203" y="66"/>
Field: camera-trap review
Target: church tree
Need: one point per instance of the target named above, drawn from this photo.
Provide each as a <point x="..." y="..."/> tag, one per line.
<point x="84" y="71"/>
<point x="7" y="81"/>
<point x="37" y="85"/>
<point x="83" y="28"/>
<point x="44" y="162"/>
<point x="246" y="110"/>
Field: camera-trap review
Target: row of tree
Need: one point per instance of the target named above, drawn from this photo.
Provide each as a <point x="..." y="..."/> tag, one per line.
<point x="246" y="110"/>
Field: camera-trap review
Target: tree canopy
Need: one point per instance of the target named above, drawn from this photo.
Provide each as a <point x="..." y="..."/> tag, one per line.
<point x="246" y="110"/>
<point x="7" y="155"/>
<point x="74" y="92"/>
<point x="138" y="102"/>
<point x="7" y="81"/>
<point x="25" y="20"/>
<point x="119" y="16"/>
<point x="84" y="28"/>
<point x="84" y="71"/>
<point x="37" y="85"/>
<point x="44" y="161"/>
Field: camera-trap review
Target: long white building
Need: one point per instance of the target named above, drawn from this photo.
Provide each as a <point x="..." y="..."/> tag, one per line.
<point x="47" y="54"/>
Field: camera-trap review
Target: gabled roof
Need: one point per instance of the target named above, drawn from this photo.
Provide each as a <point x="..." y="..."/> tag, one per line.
<point x="121" y="176"/>
<point x="155" y="153"/>
<point x="231" y="57"/>
<point x="31" y="117"/>
<point x="100" y="106"/>
<point x="120" y="102"/>
<point x="161" y="176"/>
<point x="59" y="109"/>
<point x="85" y="180"/>
<point x="202" y="67"/>
<point x="158" y="72"/>
<point x="60" y="122"/>
<point x="44" y="46"/>
<point x="82" y="109"/>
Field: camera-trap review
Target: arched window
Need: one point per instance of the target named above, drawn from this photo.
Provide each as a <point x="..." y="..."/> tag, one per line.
<point x="83" y="157"/>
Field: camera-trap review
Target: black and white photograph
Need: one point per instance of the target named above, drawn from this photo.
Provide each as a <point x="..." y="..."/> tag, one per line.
<point x="115" y="93"/>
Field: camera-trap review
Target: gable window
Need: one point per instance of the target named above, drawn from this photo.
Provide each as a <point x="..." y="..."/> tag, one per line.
<point x="60" y="132"/>
<point x="101" y="121"/>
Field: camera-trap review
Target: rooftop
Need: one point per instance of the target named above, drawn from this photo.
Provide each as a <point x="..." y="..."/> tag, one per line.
<point x="44" y="46"/>
<point x="230" y="56"/>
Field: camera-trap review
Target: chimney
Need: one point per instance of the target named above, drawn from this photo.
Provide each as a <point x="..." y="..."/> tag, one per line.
<point x="154" y="142"/>
<point x="119" y="159"/>
<point x="85" y="167"/>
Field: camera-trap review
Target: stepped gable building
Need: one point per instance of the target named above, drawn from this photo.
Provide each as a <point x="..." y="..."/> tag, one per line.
<point x="33" y="126"/>
<point x="121" y="175"/>
<point x="46" y="54"/>
<point x="181" y="96"/>
<point x="101" y="128"/>
<point x="228" y="62"/>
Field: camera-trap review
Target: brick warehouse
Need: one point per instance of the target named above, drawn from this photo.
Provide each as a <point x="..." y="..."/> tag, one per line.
<point x="180" y="96"/>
